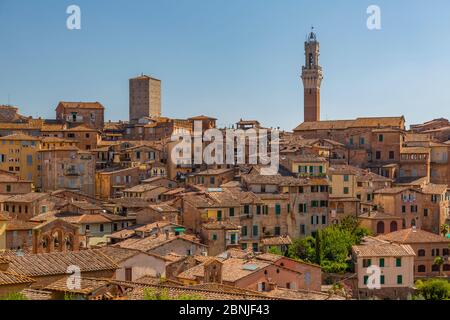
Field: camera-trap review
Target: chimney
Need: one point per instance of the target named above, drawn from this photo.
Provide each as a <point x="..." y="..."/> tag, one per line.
<point x="167" y="234"/>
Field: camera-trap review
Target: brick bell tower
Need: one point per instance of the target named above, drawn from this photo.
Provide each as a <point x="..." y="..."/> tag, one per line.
<point x="312" y="78"/>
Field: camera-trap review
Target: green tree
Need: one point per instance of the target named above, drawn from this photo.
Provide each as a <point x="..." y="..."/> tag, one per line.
<point x="439" y="261"/>
<point x="14" y="296"/>
<point x="445" y="229"/>
<point x="433" y="289"/>
<point x="303" y="249"/>
<point x="275" y="250"/>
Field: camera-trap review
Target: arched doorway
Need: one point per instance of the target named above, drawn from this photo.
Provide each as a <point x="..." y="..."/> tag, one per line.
<point x="380" y="227"/>
<point x="393" y="226"/>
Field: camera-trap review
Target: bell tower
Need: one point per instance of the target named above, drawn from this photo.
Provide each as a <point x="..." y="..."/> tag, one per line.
<point x="312" y="78"/>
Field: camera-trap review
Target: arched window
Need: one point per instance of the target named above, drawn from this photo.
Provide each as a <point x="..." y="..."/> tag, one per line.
<point x="380" y="227"/>
<point x="421" y="253"/>
<point x="393" y="226"/>
<point x="421" y="268"/>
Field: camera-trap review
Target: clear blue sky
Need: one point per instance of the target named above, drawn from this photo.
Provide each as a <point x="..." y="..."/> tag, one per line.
<point x="230" y="59"/>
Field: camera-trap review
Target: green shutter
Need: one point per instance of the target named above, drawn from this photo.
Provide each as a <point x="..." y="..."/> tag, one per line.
<point x="381" y="262"/>
<point x="381" y="279"/>
<point x="398" y="262"/>
<point x="219" y="215"/>
<point x="399" y="279"/>
<point x="366" y="279"/>
<point x="277" y="209"/>
<point x="231" y="212"/>
<point x="255" y="230"/>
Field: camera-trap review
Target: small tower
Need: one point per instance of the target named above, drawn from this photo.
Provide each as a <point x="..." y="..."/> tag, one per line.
<point x="312" y="78"/>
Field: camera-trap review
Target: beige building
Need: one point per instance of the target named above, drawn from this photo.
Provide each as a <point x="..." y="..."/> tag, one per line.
<point x="427" y="247"/>
<point x="396" y="269"/>
<point x="145" y="97"/>
<point x="67" y="168"/>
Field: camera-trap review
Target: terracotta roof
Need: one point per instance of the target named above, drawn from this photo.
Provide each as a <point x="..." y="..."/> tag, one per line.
<point x="80" y="128"/>
<point x="374" y="122"/>
<point x="35" y="265"/>
<point x="220" y="225"/>
<point x="118" y="254"/>
<point x="290" y="294"/>
<point x="8" y="278"/>
<point x="233" y="269"/>
<point x="376" y="215"/>
<point x="409" y="150"/>
<point x="37" y="295"/>
<point x="154" y="241"/>
<point x="27" y="197"/>
<point x="203" y="293"/>
<point x="144" y="188"/>
<point x="20" y="137"/>
<point x="383" y="249"/>
<point x="276" y="241"/>
<point x="16" y="225"/>
<point x="412" y="235"/>
<point x="393" y="190"/>
<point x="434" y="188"/>
<point x="81" y="105"/>
<point x="202" y="117"/>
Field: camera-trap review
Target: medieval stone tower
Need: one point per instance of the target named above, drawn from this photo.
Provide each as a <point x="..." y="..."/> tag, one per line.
<point x="312" y="79"/>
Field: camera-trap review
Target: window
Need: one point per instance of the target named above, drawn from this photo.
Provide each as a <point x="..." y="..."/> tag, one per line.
<point x="378" y="155"/>
<point x="302" y="208"/>
<point x="380" y="138"/>
<point x="366" y="279"/>
<point x="367" y="263"/>
<point x="323" y="203"/>
<point x="255" y="231"/>
<point x="244" y="231"/>
<point x="403" y="209"/>
<point x="421" y="268"/>
<point x="346" y="178"/>
<point x="231" y="212"/>
<point x="314" y="204"/>
<point x="381" y="262"/>
<point x="43" y="209"/>
<point x="219" y="215"/>
<point x="351" y="141"/>
<point x="302" y="229"/>
<point x="277" y="209"/>
<point x="212" y="180"/>
<point x="246" y="209"/>
<point x="255" y="247"/>
<point x="88" y="227"/>
<point x="258" y="209"/>
<point x="277" y="231"/>
<point x="8" y="188"/>
<point x="214" y="237"/>
<point x="381" y="279"/>
<point x="29" y="159"/>
<point x="324" y="219"/>
<point x="391" y="155"/>
<point x="362" y="141"/>
<point x="102" y="228"/>
<point x="425" y="212"/>
<point x="128" y="274"/>
<point x="399" y="279"/>
<point x="398" y="262"/>
<point x="346" y="190"/>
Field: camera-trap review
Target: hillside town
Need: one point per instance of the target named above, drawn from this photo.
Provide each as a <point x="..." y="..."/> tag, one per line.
<point x="92" y="209"/>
